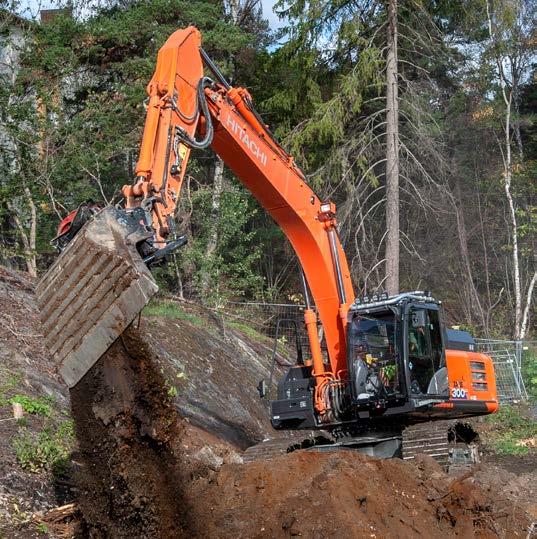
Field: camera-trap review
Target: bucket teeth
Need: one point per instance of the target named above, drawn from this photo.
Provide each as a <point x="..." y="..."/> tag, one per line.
<point x="94" y="290"/>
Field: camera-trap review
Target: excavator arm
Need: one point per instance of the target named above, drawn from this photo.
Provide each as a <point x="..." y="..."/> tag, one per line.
<point x="188" y="110"/>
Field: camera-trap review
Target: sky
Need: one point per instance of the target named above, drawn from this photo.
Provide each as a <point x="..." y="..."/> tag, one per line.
<point x="268" y="14"/>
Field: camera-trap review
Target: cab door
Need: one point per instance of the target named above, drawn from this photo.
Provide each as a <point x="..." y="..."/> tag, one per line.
<point x="426" y="368"/>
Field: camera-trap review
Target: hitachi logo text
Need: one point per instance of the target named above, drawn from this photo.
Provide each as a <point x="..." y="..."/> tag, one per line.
<point x="245" y="139"/>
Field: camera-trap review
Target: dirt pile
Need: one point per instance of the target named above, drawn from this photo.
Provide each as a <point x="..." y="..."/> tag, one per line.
<point x="347" y="495"/>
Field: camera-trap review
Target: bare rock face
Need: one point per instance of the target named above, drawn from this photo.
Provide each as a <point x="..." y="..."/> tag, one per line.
<point x="214" y="373"/>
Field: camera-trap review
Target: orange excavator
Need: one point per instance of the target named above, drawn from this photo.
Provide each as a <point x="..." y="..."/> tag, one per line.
<point x="381" y="363"/>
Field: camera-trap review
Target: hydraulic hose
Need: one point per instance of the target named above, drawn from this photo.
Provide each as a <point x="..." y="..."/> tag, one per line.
<point x="209" y="130"/>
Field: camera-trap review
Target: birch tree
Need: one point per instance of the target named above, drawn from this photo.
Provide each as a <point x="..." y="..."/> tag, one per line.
<point x="392" y="153"/>
<point x="511" y="49"/>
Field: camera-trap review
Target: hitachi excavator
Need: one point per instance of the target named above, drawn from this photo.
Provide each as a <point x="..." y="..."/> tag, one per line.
<point x="382" y="363"/>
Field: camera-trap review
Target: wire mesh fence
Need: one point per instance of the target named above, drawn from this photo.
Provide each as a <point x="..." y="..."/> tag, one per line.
<point x="513" y="363"/>
<point x="283" y="323"/>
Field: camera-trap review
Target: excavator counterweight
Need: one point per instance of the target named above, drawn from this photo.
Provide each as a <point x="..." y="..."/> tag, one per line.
<point x="95" y="289"/>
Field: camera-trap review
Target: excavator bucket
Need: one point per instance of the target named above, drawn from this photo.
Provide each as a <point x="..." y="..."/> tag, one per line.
<point x="95" y="289"/>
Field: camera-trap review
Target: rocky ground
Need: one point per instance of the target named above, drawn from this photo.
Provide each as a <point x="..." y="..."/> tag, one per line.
<point x="160" y="426"/>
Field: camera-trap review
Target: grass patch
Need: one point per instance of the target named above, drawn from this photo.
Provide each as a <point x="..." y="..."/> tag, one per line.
<point x="249" y="331"/>
<point x="47" y="450"/>
<point x="170" y="309"/>
<point x="38" y="406"/>
<point x="512" y="432"/>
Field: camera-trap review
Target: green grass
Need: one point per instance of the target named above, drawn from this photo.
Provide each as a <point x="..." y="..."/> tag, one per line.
<point x="249" y="331"/>
<point x="510" y="428"/>
<point x="38" y="406"/>
<point x="41" y="527"/>
<point x="170" y="309"/>
<point x="48" y="450"/>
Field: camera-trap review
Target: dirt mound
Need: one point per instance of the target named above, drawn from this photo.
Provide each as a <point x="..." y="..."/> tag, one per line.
<point x="344" y="495"/>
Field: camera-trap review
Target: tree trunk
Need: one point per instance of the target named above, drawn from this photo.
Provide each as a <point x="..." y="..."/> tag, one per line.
<point x="212" y="243"/>
<point x="392" y="155"/>
<point x="508" y="92"/>
<point x="526" y="315"/>
<point x="28" y="237"/>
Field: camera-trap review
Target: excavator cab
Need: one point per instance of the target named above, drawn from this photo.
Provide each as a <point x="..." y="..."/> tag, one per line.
<point x="400" y="364"/>
<point x="397" y="350"/>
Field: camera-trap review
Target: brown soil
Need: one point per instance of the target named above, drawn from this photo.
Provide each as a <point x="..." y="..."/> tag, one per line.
<point x="347" y="495"/>
<point x="130" y="479"/>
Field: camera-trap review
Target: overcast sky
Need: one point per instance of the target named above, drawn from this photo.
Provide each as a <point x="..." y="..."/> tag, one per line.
<point x="273" y="20"/>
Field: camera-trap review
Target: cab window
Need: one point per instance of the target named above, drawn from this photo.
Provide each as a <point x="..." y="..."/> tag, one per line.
<point x="425" y="354"/>
<point x="374" y="341"/>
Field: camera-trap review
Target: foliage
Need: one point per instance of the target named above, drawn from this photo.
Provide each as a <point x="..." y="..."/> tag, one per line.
<point x="41" y="527"/>
<point x="172" y="392"/>
<point x="39" y="406"/>
<point x="231" y="270"/>
<point x="513" y="433"/>
<point x="47" y="450"/>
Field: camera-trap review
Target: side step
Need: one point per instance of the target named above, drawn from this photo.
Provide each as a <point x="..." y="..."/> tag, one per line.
<point x="95" y="289"/>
